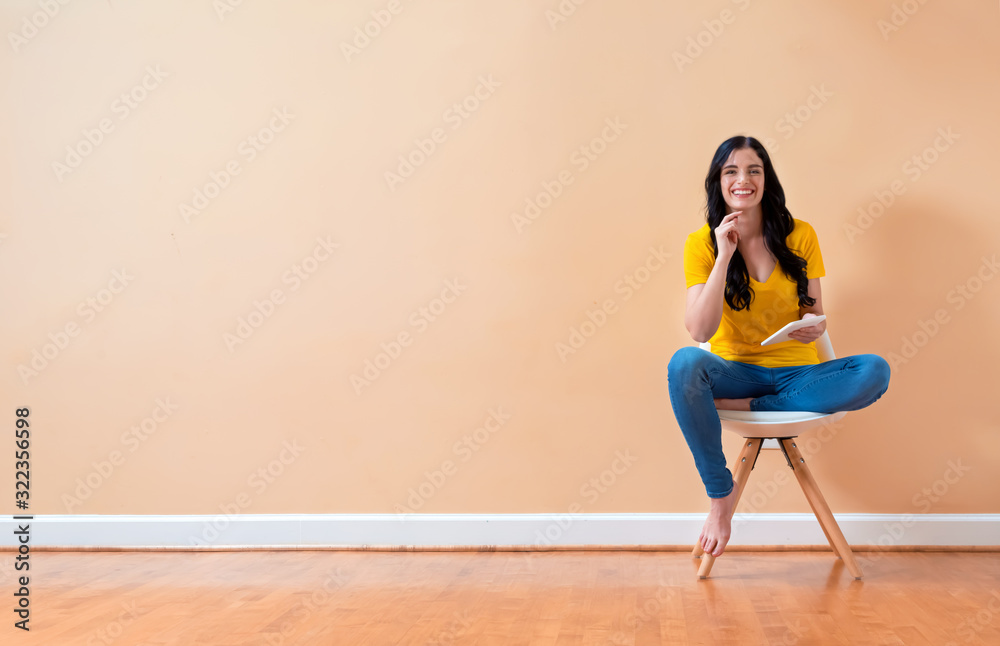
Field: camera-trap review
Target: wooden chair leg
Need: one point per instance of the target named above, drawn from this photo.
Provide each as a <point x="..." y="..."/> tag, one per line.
<point x="744" y="464"/>
<point x="829" y="539"/>
<point x="820" y="508"/>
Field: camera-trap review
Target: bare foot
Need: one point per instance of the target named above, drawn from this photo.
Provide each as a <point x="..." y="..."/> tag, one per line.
<point x="733" y="404"/>
<point x="718" y="526"/>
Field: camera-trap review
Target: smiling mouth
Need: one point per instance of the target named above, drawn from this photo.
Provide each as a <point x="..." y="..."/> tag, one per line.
<point x="743" y="192"/>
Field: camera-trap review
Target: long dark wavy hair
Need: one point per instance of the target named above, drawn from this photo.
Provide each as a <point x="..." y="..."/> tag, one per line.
<point x="776" y="223"/>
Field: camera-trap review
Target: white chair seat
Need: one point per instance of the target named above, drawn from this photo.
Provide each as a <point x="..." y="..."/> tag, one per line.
<point x="774" y="423"/>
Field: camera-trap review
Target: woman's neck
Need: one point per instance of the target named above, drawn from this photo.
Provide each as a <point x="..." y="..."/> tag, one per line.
<point x="750" y="223"/>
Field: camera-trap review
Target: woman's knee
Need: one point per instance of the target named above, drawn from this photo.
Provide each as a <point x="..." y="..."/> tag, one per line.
<point x="686" y="363"/>
<point x="875" y="369"/>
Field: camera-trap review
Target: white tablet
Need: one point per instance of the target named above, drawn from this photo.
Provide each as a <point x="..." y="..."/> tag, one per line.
<point x="782" y="334"/>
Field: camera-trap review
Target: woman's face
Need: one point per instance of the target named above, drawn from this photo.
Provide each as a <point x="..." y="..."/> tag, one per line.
<point x="742" y="180"/>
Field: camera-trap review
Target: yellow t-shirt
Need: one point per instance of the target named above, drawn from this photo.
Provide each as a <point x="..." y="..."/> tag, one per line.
<point x="775" y="303"/>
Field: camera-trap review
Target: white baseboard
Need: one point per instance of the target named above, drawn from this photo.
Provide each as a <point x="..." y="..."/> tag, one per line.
<point x="487" y="530"/>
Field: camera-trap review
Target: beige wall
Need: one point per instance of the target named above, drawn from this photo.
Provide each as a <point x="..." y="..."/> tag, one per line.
<point x="869" y="101"/>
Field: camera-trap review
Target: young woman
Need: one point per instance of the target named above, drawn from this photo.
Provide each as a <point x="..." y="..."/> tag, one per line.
<point x="750" y="270"/>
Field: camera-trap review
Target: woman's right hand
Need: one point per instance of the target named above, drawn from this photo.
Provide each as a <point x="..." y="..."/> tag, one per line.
<point x="727" y="235"/>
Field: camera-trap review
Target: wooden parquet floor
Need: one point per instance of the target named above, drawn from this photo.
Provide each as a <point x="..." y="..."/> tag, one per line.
<point x="566" y="598"/>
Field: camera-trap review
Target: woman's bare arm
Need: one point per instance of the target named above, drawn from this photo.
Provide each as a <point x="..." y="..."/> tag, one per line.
<point x="703" y="311"/>
<point x="810" y="334"/>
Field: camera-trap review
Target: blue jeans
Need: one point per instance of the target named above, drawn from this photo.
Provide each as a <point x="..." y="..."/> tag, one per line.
<point x="696" y="377"/>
